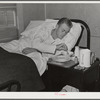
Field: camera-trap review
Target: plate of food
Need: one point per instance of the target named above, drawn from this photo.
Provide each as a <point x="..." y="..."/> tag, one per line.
<point x="61" y="58"/>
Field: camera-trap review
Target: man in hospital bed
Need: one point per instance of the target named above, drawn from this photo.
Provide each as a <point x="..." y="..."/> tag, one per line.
<point x="50" y="38"/>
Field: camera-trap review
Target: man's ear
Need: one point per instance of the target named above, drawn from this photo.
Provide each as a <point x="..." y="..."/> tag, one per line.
<point x="57" y="26"/>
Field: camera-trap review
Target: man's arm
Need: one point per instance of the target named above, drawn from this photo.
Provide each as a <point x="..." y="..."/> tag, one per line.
<point x="59" y="47"/>
<point x="29" y="50"/>
<point x="43" y="47"/>
<point x="49" y="48"/>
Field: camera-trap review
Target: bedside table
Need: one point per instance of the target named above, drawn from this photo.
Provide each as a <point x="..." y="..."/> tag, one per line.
<point x="61" y="74"/>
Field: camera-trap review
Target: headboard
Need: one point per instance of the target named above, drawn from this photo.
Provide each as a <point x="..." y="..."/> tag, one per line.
<point x="84" y="26"/>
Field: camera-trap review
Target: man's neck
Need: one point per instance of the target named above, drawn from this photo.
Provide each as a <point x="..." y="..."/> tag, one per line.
<point x="53" y="34"/>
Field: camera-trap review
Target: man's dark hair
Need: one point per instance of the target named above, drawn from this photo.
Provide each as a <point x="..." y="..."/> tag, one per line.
<point x="66" y="21"/>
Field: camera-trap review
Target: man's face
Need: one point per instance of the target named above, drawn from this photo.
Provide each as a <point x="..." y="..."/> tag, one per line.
<point x="62" y="30"/>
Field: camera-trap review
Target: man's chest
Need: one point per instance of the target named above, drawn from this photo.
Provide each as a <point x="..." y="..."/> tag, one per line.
<point x="50" y="40"/>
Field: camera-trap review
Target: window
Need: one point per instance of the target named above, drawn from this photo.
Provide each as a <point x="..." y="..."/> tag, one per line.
<point x="8" y="22"/>
<point x="8" y="15"/>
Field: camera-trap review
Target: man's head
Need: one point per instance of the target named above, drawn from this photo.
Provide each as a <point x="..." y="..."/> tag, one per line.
<point x="63" y="27"/>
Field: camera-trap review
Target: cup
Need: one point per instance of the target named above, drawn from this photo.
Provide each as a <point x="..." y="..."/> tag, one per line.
<point x="92" y="57"/>
<point x="84" y="58"/>
<point x="77" y="52"/>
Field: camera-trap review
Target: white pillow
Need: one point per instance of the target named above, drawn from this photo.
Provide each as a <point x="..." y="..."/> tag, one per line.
<point x="76" y="32"/>
<point x="33" y="25"/>
<point x="36" y="23"/>
<point x="76" y="29"/>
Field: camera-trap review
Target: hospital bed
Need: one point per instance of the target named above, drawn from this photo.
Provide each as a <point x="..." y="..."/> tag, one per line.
<point x="22" y="69"/>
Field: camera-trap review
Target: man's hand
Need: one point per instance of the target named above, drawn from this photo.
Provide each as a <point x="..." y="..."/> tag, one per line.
<point x="28" y="50"/>
<point x="61" y="46"/>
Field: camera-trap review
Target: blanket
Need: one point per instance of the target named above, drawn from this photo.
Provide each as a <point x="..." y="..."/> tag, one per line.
<point x="21" y="68"/>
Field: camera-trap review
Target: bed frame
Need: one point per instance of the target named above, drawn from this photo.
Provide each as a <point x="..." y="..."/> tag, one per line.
<point x="84" y="25"/>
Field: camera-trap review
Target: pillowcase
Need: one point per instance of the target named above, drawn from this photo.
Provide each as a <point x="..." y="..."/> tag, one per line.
<point x="34" y="26"/>
<point x="36" y="23"/>
<point x="74" y="34"/>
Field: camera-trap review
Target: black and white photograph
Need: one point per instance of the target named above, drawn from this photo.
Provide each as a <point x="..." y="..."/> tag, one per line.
<point x="50" y="47"/>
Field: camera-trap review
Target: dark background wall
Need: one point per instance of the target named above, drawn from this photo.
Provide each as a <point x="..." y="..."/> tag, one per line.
<point x="27" y="12"/>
